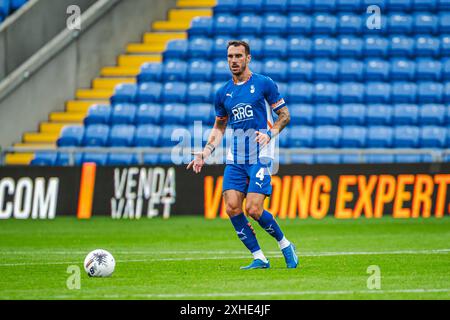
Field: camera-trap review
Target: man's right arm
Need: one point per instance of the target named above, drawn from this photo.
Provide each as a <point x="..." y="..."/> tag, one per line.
<point x="216" y="136"/>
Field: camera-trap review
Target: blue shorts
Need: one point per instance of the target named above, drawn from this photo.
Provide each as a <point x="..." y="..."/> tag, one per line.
<point x="248" y="178"/>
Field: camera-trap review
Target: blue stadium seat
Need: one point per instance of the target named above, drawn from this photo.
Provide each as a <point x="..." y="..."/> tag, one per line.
<point x="325" y="47"/>
<point x="257" y="47"/>
<point x="299" y="23"/>
<point x="402" y="69"/>
<point x="177" y="49"/>
<point x="324" y="24"/>
<point x="123" y="114"/>
<point x="445" y="68"/>
<point x="150" y="72"/>
<point x="352" y="158"/>
<point x="353" y="137"/>
<point x="71" y="136"/>
<point x="42" y="158"/>
<point x="378" y="92"/>
<point x="399" y="5"/>
<point x="444" y="22"/>
<point x="301" y="137"/>
<point x="98" y="158"/>
<point x="5" y="8"/>
<point x="275" y="24"/>
<point x="174" y="92"/>
<point x="425" y="5"/>
<point x="379" y="3"/>
<point x="221" y="70"/>
<point x="404" y="92"/>
<point x="147" y="135"/>
<point x="348" y="5"/>
<point x="302" y="158"/>
<point x="200" y="70"/>
<point x="98" y="113"/>
<point x="428" y="69"/>
<point x="351" y="92"/>
<point x="379" y="114"/>
<point x="284" y="138"/>
<point x="16" y="4"/>
<point x="200" y="112"/>
<point x="375" y="46"/>
<point x="430" y="92"/>
<point x="149" y="92"/>
<point x="275" y="5"/>
<point x="122" y="159"/>
<point x="122" y="135"/>
<point x="174" y="113"/>
<point x="200" y="48"/>
<point x="225" y="6"/>
<point x="376" y="70"/>
<point x="148" y="113"/>
<point x="201" y="26"/>
<point x="446" y="92"/>
<point x="351" y="47"/>
<point x="327" y="136"/>
<point x="433" y="137"/>
<point x="408" y="158"/>
<point x="400" y="23"/>
<point x="301" y="114"/>
<point x="326" y="92"/>
<point x="350" y="24"/>
<point x="406" y="114"/>
<point x="406" y="137"/>
<point x="324" y="5"/>
<point x="448" y="138"/>
<point x="124" y="93"/>
<point x="275" y="69"/>
<point x="448" y="115"/>
<point x="219" y="50"/>
<point x="326" y="114"/>
<point x="299" y="5"/>
<point x="350" y="70"/>
<point x="432" y="114"/>
<point x="426" y="46"/>
<point x="300" y="92"/>
<point x="250" y="6"/>
<point x="250" y="24"/>
<point x="199" y="92"/>
<point x="353" y="114"/>
<point x="225" y="24"/>
<point x="327" y="158"/>
<point x="151" y="158"/>
<point x="445" y="45"/>
<point x="380" y="158"/>
<point x="96" y="135"/>
<point x="63" y="159"/>
<point x="425" y="23"/>
<point x="175" y="70"/>
<point x="443" y="4"/>
<point x="275" y="47"/>
<point x="299" y="47"/>
<point x="379" y="137"/>
<point x="401" y="46"/>
<point x="325" y="70"/>
<point x="300" y="70"/>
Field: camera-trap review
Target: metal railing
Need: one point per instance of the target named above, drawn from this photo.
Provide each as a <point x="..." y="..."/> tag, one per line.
<point x="180" y="154"/>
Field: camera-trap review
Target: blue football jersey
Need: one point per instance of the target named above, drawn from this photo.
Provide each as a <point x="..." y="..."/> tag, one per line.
<point x="248" y="107"/>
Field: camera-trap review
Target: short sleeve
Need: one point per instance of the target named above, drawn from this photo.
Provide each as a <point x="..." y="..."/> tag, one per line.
<point x="273" y="96"/>
<point x="218" y="105"/>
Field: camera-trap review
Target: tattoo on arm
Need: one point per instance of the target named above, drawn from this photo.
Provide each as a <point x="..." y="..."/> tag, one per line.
<point x="283" y="120"/>
<point x="218" y="131"/>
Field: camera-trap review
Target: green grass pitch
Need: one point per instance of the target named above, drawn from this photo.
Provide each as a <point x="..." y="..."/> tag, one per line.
<point x="196" y="259"/>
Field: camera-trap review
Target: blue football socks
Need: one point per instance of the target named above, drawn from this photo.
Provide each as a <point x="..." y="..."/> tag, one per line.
<point x="245" y="232"/>
<point x="268" y="223"/>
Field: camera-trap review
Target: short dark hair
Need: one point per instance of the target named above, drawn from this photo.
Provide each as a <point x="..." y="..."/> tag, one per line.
<point x="237" y="43"/>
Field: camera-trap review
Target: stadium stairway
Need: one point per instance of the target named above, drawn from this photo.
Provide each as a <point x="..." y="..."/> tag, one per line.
<point x="128" y="67"/>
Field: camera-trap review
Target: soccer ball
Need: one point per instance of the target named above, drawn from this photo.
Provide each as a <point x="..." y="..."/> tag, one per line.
<point x="99" y="263"/>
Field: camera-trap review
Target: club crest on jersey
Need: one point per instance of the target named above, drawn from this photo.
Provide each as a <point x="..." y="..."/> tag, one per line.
<point x="242" y="112"/>
<point x="252" y="89"/>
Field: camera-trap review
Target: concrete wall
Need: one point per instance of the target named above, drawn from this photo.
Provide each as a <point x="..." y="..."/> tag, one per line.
<point x="48" y="88"/>
<point x="24" y="33"/>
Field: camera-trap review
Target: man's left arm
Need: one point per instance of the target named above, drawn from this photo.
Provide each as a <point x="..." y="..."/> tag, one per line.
<point x="284" y="117"/>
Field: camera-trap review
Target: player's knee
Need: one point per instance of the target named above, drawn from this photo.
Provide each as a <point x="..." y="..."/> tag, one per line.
<point x="254" y="211"/>
<point x="233" y="210"/>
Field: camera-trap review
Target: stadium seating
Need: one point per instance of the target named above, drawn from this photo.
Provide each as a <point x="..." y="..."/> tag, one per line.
<point x="8" y="7"/>
<point x="346" y="86"/>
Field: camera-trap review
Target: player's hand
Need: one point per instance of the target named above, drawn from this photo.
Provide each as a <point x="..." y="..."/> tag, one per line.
<point x="197" y="163"/>
<point x="262" y="138"/>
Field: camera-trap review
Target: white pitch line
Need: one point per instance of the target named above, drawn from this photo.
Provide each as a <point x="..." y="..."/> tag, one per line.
<point x="274" y="293"/>
<point x="275" y="254"/>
